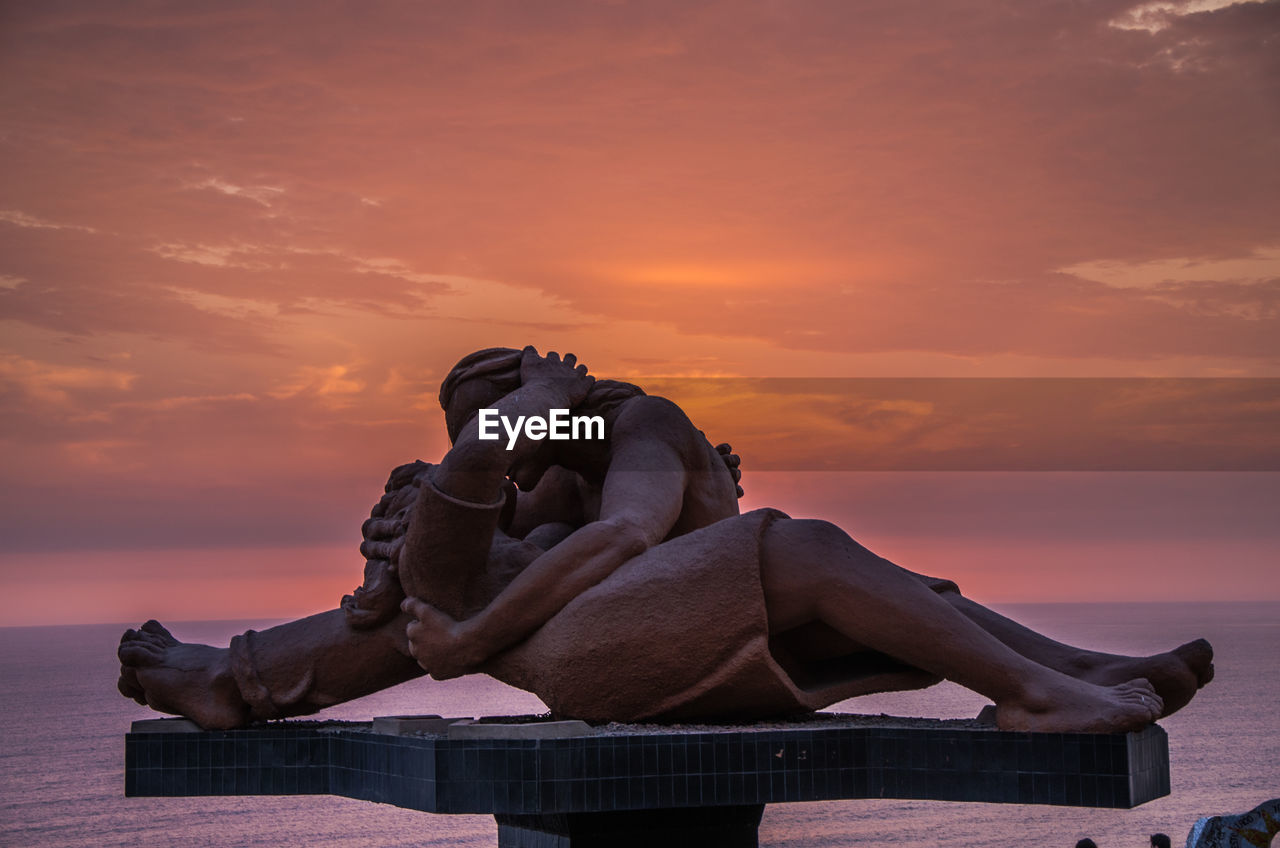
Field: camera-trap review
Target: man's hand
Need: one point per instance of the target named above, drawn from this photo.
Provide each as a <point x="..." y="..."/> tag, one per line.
<point x="439" y="643"/>
<point x="566" y="376"/>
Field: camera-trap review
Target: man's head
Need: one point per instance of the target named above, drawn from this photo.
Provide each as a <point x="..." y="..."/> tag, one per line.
<point x="1160" y="840"/>
<point x="1086" y="843"/>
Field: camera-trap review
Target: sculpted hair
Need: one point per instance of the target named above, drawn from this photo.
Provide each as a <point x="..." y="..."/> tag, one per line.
<point x="500" y="366"/>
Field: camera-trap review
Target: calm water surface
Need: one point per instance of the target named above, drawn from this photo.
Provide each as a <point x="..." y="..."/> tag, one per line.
<point x="62" y="750"/>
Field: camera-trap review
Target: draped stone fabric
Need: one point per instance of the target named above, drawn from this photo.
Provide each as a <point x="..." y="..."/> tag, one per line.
<point x="680" y="631"/>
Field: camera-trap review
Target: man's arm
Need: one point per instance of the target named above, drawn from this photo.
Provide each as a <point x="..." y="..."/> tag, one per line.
<point x="474" y="467"/>
<point x="640" y="505"/>
<point x="447" y="540"/>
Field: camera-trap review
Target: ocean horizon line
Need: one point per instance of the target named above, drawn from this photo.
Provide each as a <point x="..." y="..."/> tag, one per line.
<point x="269" y="621"/>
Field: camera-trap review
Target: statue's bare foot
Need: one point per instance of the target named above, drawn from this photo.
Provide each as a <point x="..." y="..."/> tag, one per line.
<point x="173" y="677"/>
<point x="1062" y="704"/>
<point x="1176" y="675"/>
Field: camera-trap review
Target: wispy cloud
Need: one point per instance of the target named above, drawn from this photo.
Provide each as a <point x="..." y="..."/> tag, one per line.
<point x="263" y="195"/>
<point x="1257" y="267"/>
<point x="335" y="385"/>
<point x="23" y="219"/>
<point x="1159" y="14"/>
<point x="49" y="382"/>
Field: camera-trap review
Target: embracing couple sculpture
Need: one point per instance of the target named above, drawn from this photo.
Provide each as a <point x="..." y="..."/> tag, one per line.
<point x="616" y="580"/>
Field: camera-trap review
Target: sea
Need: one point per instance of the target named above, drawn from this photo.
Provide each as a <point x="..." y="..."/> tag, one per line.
<point x="62" y="727"/>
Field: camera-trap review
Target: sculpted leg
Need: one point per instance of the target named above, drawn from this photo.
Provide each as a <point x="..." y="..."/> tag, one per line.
<point x="1176" y="675"/>
<point x="293" y="669"/>
<point x="296" y="668"/>
<point x="813" y="571"/>
<point x="303" y="666"/>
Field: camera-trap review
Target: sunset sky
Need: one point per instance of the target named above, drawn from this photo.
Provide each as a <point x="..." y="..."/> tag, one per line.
<point x="241" y="243"/>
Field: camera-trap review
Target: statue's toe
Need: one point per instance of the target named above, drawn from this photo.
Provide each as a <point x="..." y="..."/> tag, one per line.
<point x="140" y="654"/>
<point x="157" y="629"/>
<point x="130" y="687"/>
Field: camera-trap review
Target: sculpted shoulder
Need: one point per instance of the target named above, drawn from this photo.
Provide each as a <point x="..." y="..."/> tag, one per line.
<point x="655" y="418"/>
<point x="653" y="413"/>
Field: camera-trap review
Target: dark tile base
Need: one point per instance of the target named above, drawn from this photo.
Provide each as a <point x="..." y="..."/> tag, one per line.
<point x="546" y="791"/>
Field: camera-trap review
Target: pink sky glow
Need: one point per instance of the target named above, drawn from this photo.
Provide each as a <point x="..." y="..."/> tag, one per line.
<point x="241" y="243"/>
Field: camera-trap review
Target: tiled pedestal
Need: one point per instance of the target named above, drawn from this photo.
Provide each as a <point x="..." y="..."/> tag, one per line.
<point x="589" y="790"/>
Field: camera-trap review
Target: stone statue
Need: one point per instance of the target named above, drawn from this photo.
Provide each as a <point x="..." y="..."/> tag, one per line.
<point x="619" y="583"/>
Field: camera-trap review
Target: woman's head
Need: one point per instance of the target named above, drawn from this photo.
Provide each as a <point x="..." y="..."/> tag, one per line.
<point x="479" y="380"/>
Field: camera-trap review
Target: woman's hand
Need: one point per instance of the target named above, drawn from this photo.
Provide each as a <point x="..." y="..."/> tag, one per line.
<point x="732" y="462"/>
<point x="377" y="600"/>
<point x="566" y="376"/>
